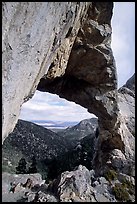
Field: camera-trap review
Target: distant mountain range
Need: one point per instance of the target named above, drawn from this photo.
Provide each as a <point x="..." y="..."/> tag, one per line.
<point x="54" y="124"/>
<point x="79" y="131"/>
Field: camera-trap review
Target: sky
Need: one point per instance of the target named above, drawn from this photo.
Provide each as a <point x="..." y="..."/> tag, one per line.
<point x="123" y="40"/>
<point x="46" y="106"/>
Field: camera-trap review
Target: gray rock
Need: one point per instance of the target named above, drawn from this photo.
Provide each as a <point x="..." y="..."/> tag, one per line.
<point x="7" y="178"/>
<point x="75" y="185"/>
<point x="130" y="84"/>
<point x="17" y="179"/>
<point x="103" y="191"/>
<point x="102" y="180"/>
<point x="23" y="194"/>
<point x="31" y="197"/>
<point x="122" y="177"/>
<point x="45" y="197"/>
<point x="126" y="102"/>
<point x="101" y="198"/>
<point x="95" y="183"/>
<point x="33" y="35"/>
<point x="92" y="173"/>
<point x="123" y="165"/>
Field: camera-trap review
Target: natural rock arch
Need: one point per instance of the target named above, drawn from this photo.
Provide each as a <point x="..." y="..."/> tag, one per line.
<point x="63" y="48"/>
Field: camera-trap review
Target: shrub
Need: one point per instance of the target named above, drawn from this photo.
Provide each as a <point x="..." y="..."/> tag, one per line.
<point x="128" y="184"/>
<point x="121" y="193"/>
<point x="33" y="166"/>
<point x="21" y="168"/>
<point x="110" y="175"/>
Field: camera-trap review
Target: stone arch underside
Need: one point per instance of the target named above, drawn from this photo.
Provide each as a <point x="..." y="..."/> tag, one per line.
<point x="90" y="77"/>
<point x="62" y="48"/>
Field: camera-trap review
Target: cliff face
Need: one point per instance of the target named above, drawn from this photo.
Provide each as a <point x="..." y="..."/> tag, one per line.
<point x="71" y="55"/>
<point x="31" y="34"/>
<point x="126" y="102"/>
<point x="63" y="48"/>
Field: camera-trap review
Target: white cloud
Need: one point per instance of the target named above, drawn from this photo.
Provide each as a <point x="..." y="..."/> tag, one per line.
<point x="45" y="106"/>
<point x="123" y="39"/>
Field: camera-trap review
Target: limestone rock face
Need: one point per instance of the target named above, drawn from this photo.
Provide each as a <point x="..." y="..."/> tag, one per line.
<point x="90" y="77"/>
<point x="74" y="186"/>
<point x="123" y="157"/>
<point x="71" y="54"/>
<point x="126" y="96"/>
<point x="126" y="102"/>
<point x="32" y="32"/>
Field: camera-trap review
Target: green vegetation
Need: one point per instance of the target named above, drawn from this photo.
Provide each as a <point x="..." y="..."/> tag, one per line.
<point x="33" y="166"/>
<point x="8" y="156"/>
<point x="111" y="175"/>
<point x="121" y="193"/>
<point x="21" y="168"/>
<point x="123" y="190"/>
<point x="130" y="187"/>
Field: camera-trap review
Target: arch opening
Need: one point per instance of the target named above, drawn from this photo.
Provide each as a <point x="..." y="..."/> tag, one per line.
<point x="73" y="131"/>
<point x="51" y="111"/>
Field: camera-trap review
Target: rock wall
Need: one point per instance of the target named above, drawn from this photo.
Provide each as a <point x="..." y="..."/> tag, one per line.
<point x="31" y="34"/>
<point x="90" y="78"/>
<point x="126" y="103"/>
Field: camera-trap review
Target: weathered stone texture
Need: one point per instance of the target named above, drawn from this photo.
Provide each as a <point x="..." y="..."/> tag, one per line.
<point x="126" y="103"/>
<point x="31" y="34"/>
<point x="90" y="78"/>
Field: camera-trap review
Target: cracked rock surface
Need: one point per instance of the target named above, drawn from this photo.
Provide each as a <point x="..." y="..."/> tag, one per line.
<point x="80" y="185"/>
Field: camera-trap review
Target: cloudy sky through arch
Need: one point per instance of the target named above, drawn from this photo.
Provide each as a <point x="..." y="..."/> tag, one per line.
<point x="45" y="106"/>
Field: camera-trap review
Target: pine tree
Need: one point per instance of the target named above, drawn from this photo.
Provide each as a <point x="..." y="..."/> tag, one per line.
<point x="21" y="168"/>
<point x="33" y="168"/>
